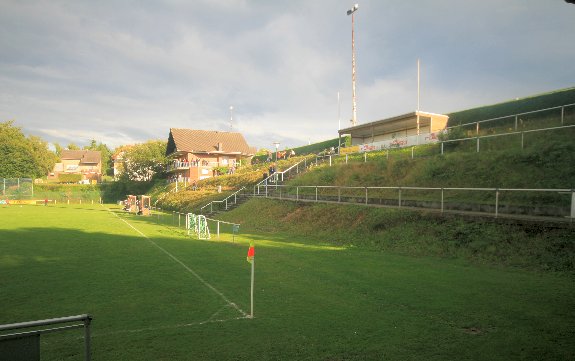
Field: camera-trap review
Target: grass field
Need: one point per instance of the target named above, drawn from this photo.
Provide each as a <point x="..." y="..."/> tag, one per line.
<point x="156" y="294"/>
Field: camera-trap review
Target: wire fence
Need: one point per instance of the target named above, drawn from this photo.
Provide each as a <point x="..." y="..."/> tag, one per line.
<point x="220" y="230"/>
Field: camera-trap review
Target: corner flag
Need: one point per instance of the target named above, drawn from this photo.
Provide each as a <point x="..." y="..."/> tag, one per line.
<point x="251" y="252"/>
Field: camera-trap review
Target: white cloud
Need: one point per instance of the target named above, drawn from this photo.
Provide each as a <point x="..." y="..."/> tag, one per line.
<point x="127" y="72"/>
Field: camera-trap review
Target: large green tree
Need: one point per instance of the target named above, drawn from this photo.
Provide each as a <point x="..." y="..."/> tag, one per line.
<point x="145" y="161"/>
<point x="21" y="156"/>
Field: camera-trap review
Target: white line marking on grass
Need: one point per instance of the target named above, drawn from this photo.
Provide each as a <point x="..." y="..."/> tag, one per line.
<point x="210" y="320"/>
<point x="230" y="303"/>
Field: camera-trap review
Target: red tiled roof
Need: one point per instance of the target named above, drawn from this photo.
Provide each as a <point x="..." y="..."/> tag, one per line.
<point x="199" y="141"/>
<point x="85" y="156"/>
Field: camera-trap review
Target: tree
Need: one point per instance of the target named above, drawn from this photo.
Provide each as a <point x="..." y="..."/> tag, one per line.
<point x="23" y="157"/>
<point x="44" y="158"/>
<point x="145" y="161"/>
<point x="58" y="149"/>
<point x="72" y="146"/>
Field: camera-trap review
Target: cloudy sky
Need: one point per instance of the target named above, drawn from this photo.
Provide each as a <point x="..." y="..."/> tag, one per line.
<point x="127" y="71"/>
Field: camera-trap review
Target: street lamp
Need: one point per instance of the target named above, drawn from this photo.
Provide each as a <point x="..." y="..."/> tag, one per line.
<point x="277" y="144"/>
<point x="354" y="106"/>
<point x="231" y="116"/>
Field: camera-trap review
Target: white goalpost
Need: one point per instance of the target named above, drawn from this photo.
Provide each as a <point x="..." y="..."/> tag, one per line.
<point x="198" y="224"/>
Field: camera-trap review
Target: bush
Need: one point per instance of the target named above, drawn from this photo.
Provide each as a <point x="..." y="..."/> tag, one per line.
<point x="69" y="178"/>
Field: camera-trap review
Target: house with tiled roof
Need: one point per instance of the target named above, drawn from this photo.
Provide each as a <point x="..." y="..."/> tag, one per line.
<point x="196" y="153"/>
<point x="87" y="163"/>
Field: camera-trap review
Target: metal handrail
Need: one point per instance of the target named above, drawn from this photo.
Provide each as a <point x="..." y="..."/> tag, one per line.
<point x="496" y="206"/>
<point x="85" y="318"/>
<point x="225" y="200"/>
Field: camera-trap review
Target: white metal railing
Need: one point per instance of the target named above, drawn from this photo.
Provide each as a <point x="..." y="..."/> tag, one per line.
<point x="85" y="319"/>
<point x="224" y="201"/>
<point x="515" y="117"/>
<point x="521" y="133"/>
<point x="427" y="138"/>
<point x="563" y="206"/>
<point x="276" y="177"/>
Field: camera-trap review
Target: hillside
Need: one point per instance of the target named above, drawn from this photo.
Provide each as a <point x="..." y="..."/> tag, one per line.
<point x="535" y="246"/>
<point x="528" y="104"/>
<point x="550" y="166"/>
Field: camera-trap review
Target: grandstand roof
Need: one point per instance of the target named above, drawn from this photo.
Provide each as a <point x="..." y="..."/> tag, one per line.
<point x="393" y="124"/>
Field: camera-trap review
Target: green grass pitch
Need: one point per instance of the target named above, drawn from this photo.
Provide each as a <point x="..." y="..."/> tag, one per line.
<point x="156" y="294"/>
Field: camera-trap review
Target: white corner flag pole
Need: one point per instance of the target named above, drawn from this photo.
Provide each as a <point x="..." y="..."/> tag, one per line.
<point x="252" y="290"/>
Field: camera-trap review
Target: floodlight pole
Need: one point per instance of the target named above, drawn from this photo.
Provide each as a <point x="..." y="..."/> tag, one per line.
<point x="231" y="116"/>
<point x="353" y="101"/>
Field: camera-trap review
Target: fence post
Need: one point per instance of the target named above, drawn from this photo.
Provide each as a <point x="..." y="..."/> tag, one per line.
<point x="365" y="157"/>
<point x="218" y="228"/>
<point x="441" y="147"/>
<point x="345" y="160"/>
<point x="562" y="114"/>
<point x="316" y="193"/>
<point x="412" y="148"/>
<point x="339" y="194"/>
<point x="572" y="204"/>
<point x="87" y="342"/>
<point x="516" y="122"/>
<point x="522" y="140"/>
<point x="226" y="204"/>
<point x="477" y="144"/>
<point x="179" y="220"/>
<point x="399" y="188"/>
<point x="330" y="160"/>
<point x="441" y="200"/>
<point x="365" y="195"/>
<point x="496" y="202"/>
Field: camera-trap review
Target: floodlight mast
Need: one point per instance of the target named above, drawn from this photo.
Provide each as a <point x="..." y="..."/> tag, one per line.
<point x="353" y="101"/>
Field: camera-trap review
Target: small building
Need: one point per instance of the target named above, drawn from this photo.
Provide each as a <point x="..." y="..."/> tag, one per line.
<point x="406" y="130"/>
<point x="197" y="153"/>
<point x="87" y="163"/>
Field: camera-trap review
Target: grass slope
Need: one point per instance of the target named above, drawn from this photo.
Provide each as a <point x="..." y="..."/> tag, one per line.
<point x="314" y="300"/>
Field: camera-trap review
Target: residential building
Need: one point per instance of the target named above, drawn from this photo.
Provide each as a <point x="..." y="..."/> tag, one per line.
<point x="87" y="163"/>
<point x="197" y="154"/>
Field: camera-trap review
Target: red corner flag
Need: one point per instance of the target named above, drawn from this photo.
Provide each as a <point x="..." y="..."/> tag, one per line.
<point x="251" y="252"/>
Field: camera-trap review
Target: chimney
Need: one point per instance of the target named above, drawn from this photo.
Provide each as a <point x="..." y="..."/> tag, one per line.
<point x="220" y="147"/>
